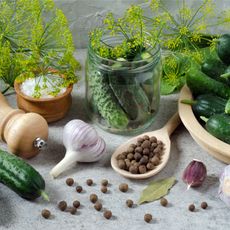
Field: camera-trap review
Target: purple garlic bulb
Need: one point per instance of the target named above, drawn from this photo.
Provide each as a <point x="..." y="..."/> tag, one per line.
<point x="194" y="174"/>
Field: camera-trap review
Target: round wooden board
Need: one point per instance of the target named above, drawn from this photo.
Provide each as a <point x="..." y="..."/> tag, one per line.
<point x="211" y="144"/>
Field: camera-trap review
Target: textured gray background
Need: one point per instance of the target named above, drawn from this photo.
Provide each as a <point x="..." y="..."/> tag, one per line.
<point x="16" y="213"/>
<point x="83" y="15"/>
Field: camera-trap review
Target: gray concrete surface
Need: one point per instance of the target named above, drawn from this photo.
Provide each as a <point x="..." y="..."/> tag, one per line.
<point x="19" y="214"/>
<point x="83" y="15"/>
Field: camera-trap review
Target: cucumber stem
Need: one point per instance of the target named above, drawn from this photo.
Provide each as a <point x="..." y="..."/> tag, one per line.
<point x="45" y="195"/>
<point x="188" y="102"/>
<point x="205" y="119"/>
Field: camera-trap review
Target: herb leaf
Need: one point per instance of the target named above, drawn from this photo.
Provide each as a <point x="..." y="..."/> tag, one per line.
<point x="156" y="189"/>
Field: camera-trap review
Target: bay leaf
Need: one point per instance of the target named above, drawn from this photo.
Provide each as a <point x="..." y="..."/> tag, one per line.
<point x="156" y="189"/>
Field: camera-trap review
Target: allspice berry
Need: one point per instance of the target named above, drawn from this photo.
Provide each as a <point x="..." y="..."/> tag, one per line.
<point x="104" y="182"/>
<point x="46" y="213"/>
<point x="89" y="182"/>
<point x="104" y="189"/>
<point x="72" y="210"/>
<point x="129" y="203"/>
<point x="148" y="217"/>
<point x="76" y="204"/>
<point x="164" y="202"/>
<point x="62" y="205"/>
<point x="133" y="169"/>
<point x="204" y="205"/>
<point x="93" y="198"/>
<point x="79" y="189"/>
<point x="69" y="181"/>
<point x="123" y="187"/>
<point x="121" y="164"/>
<point x="142" y="169"/>
<point x="191" y="207"/>
<point x="98" y="206"/>
<point x="107" y="214"/>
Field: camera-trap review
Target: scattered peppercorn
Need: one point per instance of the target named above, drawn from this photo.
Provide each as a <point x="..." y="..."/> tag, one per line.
<point x="98" y="206"/>
<point x="204" y="205"/>
<point x="89" y="182"/>
<point x="104" y="182"/>
<point x="148" y="217"/>
<point x="79" y="189"/>
<point x="72" y="210"/>
<point x="62" y="205"/>
<point x="46" y="213"/>
<point x="107" y="214"/>
<point x="69" y="181"/>
<point x="76" y="204"/>
<point x="129" y="203"/>
<point x="104" y="189"/>
<point x="123" y="187"/>
<point x="191" y="207"/>
<point x="164" y="202"/>
<point x="93" y="198"/>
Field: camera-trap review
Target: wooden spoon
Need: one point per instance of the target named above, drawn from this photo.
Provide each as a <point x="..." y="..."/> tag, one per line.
<point x="162" y="134"/>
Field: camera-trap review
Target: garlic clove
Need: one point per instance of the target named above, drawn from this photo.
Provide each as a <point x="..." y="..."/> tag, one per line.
<point x="194" y="174"/>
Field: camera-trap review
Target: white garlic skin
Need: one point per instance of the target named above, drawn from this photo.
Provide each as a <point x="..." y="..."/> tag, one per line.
<point x="224" y="188"/>
<point x="82" y="143"/>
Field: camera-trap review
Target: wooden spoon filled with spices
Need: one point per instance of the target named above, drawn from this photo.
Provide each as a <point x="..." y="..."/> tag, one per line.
<point x="147" y="154"/>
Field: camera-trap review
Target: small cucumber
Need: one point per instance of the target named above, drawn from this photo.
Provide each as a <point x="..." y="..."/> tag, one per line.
<point x="207" y="105"/>
<point x="223" y="48"/>
<point x="22" y="178"/>
<point x="213" y="68"/>
<point x="219" y="126"/>
<point x="200" y="83"/>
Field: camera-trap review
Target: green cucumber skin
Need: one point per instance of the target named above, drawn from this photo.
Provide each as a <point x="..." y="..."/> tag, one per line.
<point x="105" y="101"/>
<point x="19" y="176"/>
<point x="200" y="83"/>
<point x="207" y="105"/>
<point x="223" y="48"/>
<point x="219" y="126"/>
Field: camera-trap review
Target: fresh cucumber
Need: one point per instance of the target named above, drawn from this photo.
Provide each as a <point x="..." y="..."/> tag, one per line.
<point x="19" y="176"/>
<point x="223" y="48"/>
<point x="200" y="83"/>
<point x="219" y="126"/>
<point x="213" y="68"/>
<point x="105" y="101"/>
<point x="206" y="105"/>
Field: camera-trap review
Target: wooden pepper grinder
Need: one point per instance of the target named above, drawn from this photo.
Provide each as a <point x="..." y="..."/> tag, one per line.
<point x="24" y="133"/>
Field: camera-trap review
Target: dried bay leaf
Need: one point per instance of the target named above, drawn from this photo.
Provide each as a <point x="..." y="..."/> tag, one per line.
<point x="156" y="189"/>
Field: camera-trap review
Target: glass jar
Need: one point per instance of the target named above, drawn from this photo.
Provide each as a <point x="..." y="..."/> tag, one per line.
<point x="123" y="96"/>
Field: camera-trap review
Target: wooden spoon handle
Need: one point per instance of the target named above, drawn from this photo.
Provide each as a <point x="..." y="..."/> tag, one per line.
<point x="172" y="123"/>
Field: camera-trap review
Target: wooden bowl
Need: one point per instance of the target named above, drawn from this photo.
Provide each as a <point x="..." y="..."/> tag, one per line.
<point x="52" y="109"/>
<point x="215" y="147"/>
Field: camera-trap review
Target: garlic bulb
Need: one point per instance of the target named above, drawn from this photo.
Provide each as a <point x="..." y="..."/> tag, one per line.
<point x="194" y="174"/>
<point x="224" y="188"/>
<point x="82" y="144"/>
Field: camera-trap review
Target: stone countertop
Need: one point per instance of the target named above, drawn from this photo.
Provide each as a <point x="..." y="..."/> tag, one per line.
<point x="17" y="213"/>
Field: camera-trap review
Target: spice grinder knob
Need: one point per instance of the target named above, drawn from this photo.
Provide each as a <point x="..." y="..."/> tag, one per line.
<point x="40" y="143"/>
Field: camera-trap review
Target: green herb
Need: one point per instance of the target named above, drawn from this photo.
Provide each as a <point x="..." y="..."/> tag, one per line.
<point x="156" y="190"/>
<point x="34" y="38"/>
<point x="135" y="36"/>
<point x="185" y="31"/>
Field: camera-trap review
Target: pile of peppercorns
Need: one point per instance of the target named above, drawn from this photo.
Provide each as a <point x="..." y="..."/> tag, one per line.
<point x="141" y="157"/>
